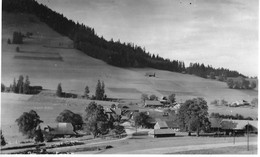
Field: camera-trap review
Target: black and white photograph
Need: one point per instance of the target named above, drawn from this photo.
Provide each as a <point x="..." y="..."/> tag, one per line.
<point x="129" y="77"/>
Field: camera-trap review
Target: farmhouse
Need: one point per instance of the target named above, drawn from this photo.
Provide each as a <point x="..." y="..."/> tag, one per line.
<point x="239" y="103"/>
<point x="153" y="104"/>
<point x="165" y="129"/>
<point x="239" y="126"/>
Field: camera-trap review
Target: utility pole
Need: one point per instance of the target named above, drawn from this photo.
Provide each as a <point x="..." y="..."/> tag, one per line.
<point x="234" y="136"/>
<point x="247" y="136"/>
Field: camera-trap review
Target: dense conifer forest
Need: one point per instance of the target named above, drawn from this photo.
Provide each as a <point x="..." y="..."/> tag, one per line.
<point x="115" y="53"/>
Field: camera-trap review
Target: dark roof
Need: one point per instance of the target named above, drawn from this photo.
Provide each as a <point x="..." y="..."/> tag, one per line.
<point x="155" y="103"/>
<point x="172" y="124"/>
<point x="163" y="131"/>
<point x="215" y="122"/>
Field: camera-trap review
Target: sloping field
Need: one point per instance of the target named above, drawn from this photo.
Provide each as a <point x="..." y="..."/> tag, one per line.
<point x="48" y="59"/>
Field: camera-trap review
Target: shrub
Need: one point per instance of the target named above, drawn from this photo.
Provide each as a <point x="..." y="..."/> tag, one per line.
<point x="223" y="102"/>
<point x="153" y="97"/>
<point x="253" y="85"/>
<point x="171" y="98"/>
<point x="59" y="90"/>
<point x="254" y="102"/>
<point x="3" y="142"/>
<point x="8" y="41"/>
<point x="2" y="87"/>
<point x="215" y="102"/>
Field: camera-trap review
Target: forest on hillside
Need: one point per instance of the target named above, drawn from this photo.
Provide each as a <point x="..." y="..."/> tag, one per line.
<point x="115" y="53"/>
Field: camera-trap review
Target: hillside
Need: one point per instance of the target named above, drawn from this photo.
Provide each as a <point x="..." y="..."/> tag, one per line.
<point x="48" y="59"/>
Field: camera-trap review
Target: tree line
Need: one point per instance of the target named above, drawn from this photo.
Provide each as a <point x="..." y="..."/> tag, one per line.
<point x="237" y="116"/>
<point x="208" y="71"/>
<point x="115" y="53"/>
<point x="21" y="86"/>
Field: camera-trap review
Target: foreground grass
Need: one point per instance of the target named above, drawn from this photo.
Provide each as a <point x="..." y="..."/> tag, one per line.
<point x="225" y="150"/>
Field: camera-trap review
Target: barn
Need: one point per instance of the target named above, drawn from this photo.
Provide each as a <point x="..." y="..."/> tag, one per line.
<point x="58" y="129"/>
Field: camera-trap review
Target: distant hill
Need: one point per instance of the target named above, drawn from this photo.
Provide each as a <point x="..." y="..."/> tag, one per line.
<point x="112" y="52"/>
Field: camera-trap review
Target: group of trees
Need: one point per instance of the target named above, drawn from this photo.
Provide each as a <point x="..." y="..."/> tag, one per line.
<point x="97" y="121"/>
<point x="240" y="83"/>
<point x="237" y="116"/>
<point x="99" y="94"/>
<point x="21" y="86"/>
<point x="17" y="38"/>
<point x="100" y="91"/>
<point x="221" y="102"/>
<point x="254" y="102"/>
<point x="204" y="71"/>
<point x="116" y="53"/>
<point x="100" y="123"/>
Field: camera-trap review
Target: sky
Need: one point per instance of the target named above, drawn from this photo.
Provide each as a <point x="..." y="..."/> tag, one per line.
<point x="221" y="33"/>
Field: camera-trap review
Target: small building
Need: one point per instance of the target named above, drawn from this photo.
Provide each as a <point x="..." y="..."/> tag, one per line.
<point x="150" y="74"/>
<point x="164" y="133"/>
<point x="58" y="129"/>
<point x="153" y="104"/>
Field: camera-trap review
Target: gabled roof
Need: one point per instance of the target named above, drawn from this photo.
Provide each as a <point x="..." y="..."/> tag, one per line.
<point x="162" y="124"/>
<point x="163" y="131"/>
